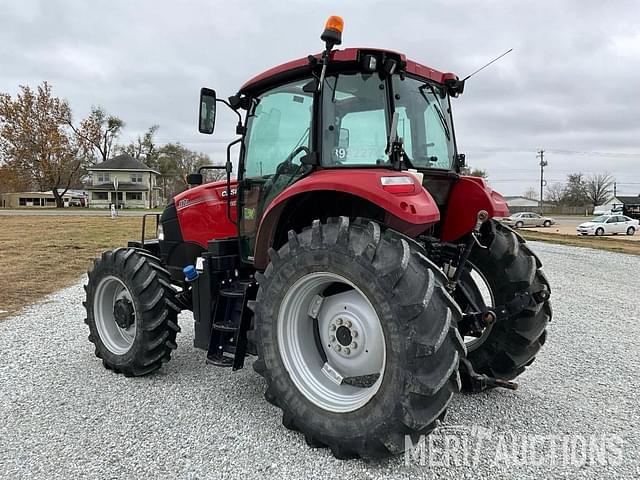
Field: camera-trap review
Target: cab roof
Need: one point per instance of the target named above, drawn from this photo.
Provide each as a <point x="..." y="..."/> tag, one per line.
<point x="295" y="67"/>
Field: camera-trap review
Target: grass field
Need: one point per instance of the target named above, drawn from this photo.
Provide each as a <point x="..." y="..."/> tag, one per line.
<point x="41" y="254"/>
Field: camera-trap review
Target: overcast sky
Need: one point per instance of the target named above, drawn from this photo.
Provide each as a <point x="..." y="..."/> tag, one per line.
<point x="571" y="86"/>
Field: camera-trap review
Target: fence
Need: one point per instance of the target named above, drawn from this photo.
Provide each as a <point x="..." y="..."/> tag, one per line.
<point x="555" y="210"/>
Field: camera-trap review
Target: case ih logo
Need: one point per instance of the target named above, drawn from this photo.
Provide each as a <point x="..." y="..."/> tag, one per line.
<point x="233" y="192"/>
<point x="183" y="203"/>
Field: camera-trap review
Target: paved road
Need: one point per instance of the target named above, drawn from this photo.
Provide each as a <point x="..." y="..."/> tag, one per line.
<point x="93" y="212"/>
<point x="62" y="415"/>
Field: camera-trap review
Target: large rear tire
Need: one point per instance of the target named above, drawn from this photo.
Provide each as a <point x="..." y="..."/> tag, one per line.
<point x="398" y="380"/>
<point x="509" y="267"/>
<point x="131" y="311"/>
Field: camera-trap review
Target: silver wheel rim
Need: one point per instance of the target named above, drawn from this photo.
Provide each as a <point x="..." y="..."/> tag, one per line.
<point x="351" y="335"/>
<point x="108" y="291"/>
<point x="483" y="287"/>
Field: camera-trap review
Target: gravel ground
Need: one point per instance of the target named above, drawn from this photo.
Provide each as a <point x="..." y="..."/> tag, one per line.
<point x="63" y="415"/>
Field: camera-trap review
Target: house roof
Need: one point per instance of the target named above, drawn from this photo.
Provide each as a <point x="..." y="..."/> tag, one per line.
<point x="123" y="162"/>
<point x="629" y="200"/>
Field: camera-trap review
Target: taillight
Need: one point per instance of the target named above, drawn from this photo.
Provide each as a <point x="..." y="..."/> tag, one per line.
<point x="397" y="185"/>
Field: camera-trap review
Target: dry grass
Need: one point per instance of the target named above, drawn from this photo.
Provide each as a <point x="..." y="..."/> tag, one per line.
<point x="41" y="254"/>
<point x="611" y="244"/>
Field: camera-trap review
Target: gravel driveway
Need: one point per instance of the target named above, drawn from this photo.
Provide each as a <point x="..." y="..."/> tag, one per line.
<point x="62" y="415"/>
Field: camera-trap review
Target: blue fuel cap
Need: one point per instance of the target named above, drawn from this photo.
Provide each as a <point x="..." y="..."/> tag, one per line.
<point x="190" y="273"/>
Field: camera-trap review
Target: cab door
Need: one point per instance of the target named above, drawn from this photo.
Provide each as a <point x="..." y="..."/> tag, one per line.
<point x="278" y="135"/>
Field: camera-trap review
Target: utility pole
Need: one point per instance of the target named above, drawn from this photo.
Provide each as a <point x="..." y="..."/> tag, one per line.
<point x="543" y="182"/>
<point x="615" y="184"/>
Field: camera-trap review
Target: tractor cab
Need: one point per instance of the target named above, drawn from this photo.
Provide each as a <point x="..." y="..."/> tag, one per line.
<point x="341" y="111"/>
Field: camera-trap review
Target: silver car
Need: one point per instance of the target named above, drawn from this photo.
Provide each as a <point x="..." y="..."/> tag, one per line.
<point x="528" y="219"/>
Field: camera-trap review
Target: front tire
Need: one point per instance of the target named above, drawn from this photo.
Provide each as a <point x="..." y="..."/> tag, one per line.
<point x="394" y="299"/>
<point x="547" y="224"/>
<point x="131" y="312"/>
<point x="631" y="231"/>
<point x="599" y="232"/>
<point x="510" y="268"/>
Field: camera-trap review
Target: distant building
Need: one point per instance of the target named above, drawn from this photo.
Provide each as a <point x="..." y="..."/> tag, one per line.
<point x="521" y="202"/>
<point x="607" y="207"/>
<point x="73" y="198"/>
<point x="630" y="205"/>
<point x="137" y="184"/>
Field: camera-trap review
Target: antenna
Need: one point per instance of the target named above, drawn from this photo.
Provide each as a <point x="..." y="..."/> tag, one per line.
<point x="482" y="68"/>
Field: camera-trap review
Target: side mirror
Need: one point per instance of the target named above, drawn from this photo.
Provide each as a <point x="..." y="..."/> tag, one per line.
<point x="207" y="111"/>
<point x="194" y="179"/>
<point x="343" y="138"/>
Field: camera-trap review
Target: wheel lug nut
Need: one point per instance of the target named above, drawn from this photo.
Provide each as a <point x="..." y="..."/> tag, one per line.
<point x="332" y="339"/>
<point x="339" y="321"/>
<point x="354" y="345"/>
<point x="347" y="350"/>
<point x="337" y="348"/>
<point x="347" y="324"/>
<point x="332" y="327"/>
<point x="354" y="333"/>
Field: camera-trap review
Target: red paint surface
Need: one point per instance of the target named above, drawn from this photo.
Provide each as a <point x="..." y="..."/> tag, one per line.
<point x="468" y="196"/>
<point x="410" y="213"/>
<point x="350" y="55"/>
<point x="202" y="212"/>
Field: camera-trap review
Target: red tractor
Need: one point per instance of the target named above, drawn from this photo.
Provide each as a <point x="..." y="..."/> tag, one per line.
<point x="349" y="254"/>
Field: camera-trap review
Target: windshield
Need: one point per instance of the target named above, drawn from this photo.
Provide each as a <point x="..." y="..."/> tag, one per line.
<point x="424" y="122"/>
<point x="356" y="121"/>
<point x="600" y="219"/>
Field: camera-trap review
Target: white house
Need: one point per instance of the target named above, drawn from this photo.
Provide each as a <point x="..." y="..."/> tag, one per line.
<point x="134" y="184"/>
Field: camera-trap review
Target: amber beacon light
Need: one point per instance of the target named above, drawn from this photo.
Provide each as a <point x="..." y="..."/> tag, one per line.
<point x="332" y="34"/>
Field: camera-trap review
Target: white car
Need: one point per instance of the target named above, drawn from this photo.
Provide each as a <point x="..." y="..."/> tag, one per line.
<point x="609" y="225"/>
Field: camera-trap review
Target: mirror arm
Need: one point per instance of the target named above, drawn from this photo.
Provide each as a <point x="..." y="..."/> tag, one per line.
<point x="240" y="129"/>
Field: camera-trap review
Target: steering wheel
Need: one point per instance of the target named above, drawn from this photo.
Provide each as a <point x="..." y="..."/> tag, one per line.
<point x="285" y="166"/>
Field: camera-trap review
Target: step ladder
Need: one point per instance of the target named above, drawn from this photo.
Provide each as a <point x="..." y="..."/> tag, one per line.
<point x="231" y="321"/>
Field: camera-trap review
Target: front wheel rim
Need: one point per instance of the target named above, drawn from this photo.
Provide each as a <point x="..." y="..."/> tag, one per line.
<point x="343" y="326"/>
<point x="118" y="340"/>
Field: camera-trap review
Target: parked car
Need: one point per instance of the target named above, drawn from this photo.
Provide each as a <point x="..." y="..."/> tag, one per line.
<point x="528" y="219"/>
<point x="609" y="225"/>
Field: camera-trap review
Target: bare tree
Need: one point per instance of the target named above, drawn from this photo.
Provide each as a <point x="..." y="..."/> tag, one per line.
<point x="530" y="193"/>
<point x="555" y="193"/>
<point x="475" y="172"/>
<point x="175" y="162"/>
<point x="37" y="142"/>
<point x="598" y="188"/>
<point x="144" y="148"/>
<point x="99" y="132"/>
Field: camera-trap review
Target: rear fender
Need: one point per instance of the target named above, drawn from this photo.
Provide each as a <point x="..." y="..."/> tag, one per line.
<point x="409" y="213"/>
<point x="468" y="196"/>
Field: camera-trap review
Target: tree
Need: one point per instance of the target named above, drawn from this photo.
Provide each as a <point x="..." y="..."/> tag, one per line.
<point x="476" y="172"/>
<point x="99" y="132"/>
<point x="530" y="193"/>
<point x="12" y="180"/>
<point x="37" y="142"/>
<point x="175" y="162"/>
<point x="599" y="188"/>
<point x="555" y="193"/>
<point x="575" y="193"/>
<point x="144" y="148"/>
